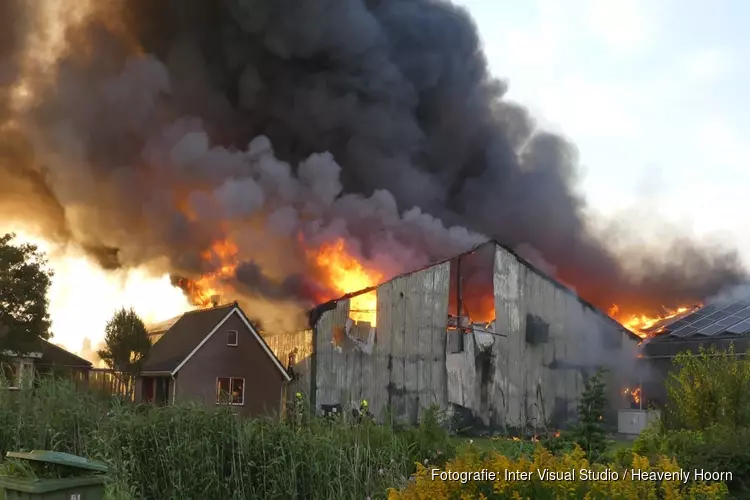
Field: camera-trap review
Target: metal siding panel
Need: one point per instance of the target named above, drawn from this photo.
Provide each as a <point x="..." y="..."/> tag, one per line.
<point x="414" y="297"/>
<point x="332" y="365"/>
<point x="424" y="363"/>
<point x="438" y="333"/>
<point x="509" y="365"/>
<point x="381" y="375"/>
<point x="398" y="350"/>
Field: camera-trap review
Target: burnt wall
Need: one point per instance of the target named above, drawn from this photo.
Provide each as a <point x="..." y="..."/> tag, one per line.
<point x="400" y="364"/>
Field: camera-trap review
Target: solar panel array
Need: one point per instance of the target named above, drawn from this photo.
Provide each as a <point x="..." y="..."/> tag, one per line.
<point x="714" y="319"/>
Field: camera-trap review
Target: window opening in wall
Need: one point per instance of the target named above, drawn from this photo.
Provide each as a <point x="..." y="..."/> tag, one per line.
<point x="537" y="330"/>
<point x="471" y="302"/>
<point x="363" y="308"/>
<point x="232" y="338"/>
<point x="230" y="391"/>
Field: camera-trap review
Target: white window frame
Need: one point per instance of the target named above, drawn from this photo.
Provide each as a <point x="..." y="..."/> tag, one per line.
<point x="24" y="374"/>
<point x="236" y="338"/>
<point x="230" y="403"/>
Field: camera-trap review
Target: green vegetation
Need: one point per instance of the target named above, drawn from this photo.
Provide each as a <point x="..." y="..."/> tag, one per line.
<point x="24" y="282"/>
<point x="706" y="423"/>
<point x="177" y="452"/>
<point x="590" y="433"/>
<point x="126" y="342"/>
<point x="190" y="451"/>
<point x="126" y="345"/>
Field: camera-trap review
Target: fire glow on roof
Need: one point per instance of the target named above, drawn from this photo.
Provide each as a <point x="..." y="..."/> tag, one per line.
<point x="711" y="320"/>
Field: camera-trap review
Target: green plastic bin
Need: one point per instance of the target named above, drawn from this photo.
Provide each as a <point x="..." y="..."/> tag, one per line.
<point x="84" y="486"/>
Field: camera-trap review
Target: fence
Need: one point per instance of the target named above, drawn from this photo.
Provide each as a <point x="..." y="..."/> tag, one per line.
<point x="110" y="382"/>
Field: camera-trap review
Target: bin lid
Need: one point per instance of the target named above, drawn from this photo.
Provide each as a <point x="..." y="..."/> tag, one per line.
<point x="59" y="458"/>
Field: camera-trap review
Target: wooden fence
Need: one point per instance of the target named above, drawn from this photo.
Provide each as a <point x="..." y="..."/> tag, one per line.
<point x="109" y="382"/>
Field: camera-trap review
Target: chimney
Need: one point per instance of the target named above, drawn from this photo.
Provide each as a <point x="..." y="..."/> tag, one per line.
<point x="215" y="300"/>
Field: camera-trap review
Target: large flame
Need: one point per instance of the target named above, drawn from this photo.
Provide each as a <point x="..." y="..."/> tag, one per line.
<point x="342" y="273"/>
<point x="83" y="297"/>
<point x="645" y="325"/>
<point x="204" y="290"/>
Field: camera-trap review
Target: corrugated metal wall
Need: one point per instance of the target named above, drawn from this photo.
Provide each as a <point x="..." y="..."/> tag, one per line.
<point x="503" y="379"/>
<point x="406" y="369"/>
<point x="537" y="383"/>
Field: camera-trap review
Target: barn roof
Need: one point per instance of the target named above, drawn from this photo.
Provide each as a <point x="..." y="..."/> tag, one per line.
<point x="316" y="312"/>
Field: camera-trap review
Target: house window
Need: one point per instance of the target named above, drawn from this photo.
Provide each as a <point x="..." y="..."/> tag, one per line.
<point x="232" y="338"/>
<point x="18" y="374"/>
<point x="230" y="391"/>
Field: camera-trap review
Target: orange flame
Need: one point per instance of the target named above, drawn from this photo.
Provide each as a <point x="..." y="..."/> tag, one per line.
<point x="635" y="394"/>
<point x="344" y="274"/>
<point x="203" y="290"/>
<point x="641" y="323"/>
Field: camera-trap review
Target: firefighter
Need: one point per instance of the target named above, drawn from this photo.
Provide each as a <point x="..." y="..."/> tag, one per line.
<point x="362" y="412"/>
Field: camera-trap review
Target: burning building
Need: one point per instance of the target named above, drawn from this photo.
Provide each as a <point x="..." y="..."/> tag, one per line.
<point x="722" y="322"/>
<point x="286" y="153"/>
<point x="484" y="333"/>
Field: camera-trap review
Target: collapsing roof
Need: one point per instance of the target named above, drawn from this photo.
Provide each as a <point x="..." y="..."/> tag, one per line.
<point x="316" y="312"/>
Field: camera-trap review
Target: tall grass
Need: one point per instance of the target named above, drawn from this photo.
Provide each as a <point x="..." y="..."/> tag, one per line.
<point x="190" y="451"/>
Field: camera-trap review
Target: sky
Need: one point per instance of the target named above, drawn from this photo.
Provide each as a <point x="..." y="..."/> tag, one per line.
<point x="652" y="93"/>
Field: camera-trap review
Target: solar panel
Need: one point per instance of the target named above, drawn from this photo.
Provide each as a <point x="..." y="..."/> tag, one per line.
<point x="677" y="325"/>
<point x="702" y="323"/>
<point x="733" y="308"/>
<point x="717" y="315"/>
<point x="707" y="310"/>
<point x="685" y="331"/>
<point x="728" y="321"/>
<point x="692" y="318"/>
<point x="745" y="313"/>
<point x="740" y="328"/>
<point x="711" y="330"/>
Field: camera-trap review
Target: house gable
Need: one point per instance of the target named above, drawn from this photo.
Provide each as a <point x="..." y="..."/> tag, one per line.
<point x="241" y="338"/>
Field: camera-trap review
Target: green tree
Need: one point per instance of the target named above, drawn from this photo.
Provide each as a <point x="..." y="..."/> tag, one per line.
<point x="126" y="346"/>
<point x="590" y="433"/>
<point x="24" y="306"/>
<point x="712" y="387"/>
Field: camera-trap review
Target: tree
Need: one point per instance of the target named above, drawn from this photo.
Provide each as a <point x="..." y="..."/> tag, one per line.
<point x="126" y="345"/>
<point x="24" y="306"/>
<point x="590" y="434"/>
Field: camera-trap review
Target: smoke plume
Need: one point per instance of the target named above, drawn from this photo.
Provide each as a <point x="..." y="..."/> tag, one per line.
<point x="149" y="130"/>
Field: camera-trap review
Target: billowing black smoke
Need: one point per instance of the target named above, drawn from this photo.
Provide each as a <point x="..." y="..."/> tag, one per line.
<point x="168" y="125"/>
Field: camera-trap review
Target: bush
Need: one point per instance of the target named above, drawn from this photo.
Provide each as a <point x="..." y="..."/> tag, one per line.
<point x="470" y="462"/>
<point x="718" y="448"/>
<point x="710" y="388"/>
<point x="706" y="423"/>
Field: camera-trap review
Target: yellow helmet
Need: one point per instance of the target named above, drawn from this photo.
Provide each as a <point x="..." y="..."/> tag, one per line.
<point x="364" y="402"/>
<point x="299" y="394"/>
